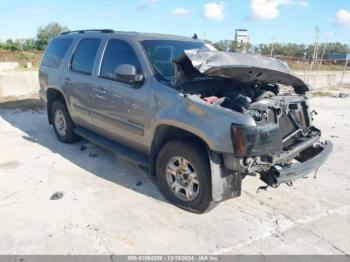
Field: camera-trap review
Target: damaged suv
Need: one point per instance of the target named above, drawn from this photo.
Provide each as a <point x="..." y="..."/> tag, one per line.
<point x="200" y="120"/>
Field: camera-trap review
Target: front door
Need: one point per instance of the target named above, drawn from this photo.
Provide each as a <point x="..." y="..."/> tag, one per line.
<point x="119" y="109"/>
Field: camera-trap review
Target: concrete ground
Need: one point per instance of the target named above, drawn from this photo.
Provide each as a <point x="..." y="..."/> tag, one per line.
<point x="110" y="206"/>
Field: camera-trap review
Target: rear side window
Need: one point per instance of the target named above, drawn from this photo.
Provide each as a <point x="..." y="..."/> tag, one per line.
<point x="118" y="52"/>
<point x="56" y="51"/>
<point x="84" y="56"/>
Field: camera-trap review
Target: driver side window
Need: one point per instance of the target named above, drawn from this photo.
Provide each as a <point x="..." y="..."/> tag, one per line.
<point x="117" y="53"/>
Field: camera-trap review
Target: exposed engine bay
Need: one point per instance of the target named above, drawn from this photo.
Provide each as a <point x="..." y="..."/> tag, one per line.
<point x="246" y="84"/>
<point x="261" y="101"/>
<point x="283" y="134"/>
<point x="228" y="93"/>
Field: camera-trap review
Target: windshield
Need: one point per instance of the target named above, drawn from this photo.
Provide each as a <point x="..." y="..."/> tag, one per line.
<point x="161" y="54"/>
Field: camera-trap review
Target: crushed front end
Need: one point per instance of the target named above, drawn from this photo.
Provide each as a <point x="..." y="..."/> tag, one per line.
<point x="284" y="145"/>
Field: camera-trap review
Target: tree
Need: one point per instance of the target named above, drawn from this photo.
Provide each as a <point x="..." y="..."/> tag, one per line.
<point x="298" y="50"/>
<point x="337" y="48"/>
<point x="225" y="45"/>
<point x="220" y="46"/>
<point x="29" y="44"/>
<point x="231" y="46"/>
<point x="47" y="32"/>
<point x="11" y="45"/>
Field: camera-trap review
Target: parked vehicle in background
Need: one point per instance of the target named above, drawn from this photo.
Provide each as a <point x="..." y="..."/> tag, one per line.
<point x="199" y="119"/>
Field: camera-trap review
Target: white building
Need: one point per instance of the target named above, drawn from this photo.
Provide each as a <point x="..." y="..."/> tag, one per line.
<point x="241" y="40"/>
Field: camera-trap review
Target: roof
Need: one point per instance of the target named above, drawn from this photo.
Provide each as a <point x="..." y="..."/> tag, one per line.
<point x="136" y="35"/>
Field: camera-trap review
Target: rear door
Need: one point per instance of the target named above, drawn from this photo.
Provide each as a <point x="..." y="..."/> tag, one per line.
<point x="78" y="80"/>
<point x="120" y="108"/>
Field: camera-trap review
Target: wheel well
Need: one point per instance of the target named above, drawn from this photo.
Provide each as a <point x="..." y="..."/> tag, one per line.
<point x="52" y="96"/>
<point x="164" y="134"/>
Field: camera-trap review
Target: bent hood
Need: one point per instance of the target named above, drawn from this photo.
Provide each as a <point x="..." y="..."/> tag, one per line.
<point x="247" y="68"/>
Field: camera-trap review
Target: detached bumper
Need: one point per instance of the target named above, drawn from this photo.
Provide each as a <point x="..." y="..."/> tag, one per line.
<point x="227" y="179"/>
<point x="293" y="172"/>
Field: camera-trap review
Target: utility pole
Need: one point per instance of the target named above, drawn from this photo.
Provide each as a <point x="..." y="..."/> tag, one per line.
<point x="324" y="50"/>
<point x="306" y="62"/>
<point x="345" y="65"/>
<point x="227" y="45"/>
<point x="272" y="41"/>
<point x="317" y="36"/>
<point x="174" y="23"/>
<point x="314" y="56"/>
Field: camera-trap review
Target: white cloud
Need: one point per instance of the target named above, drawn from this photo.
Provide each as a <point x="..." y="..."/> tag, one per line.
<point x="214" y="11"/>
<point x="180" y="11"/>
<point x="269" y="9"/>
<point x="265" y="9"/>
<point x="342" y="17"/>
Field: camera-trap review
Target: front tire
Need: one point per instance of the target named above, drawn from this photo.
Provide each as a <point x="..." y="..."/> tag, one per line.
<point x="184" y="176"/>
<point x="62" y="123"/>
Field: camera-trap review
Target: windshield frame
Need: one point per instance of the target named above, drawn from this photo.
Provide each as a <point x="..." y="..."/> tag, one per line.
<point x="155" y="72"/>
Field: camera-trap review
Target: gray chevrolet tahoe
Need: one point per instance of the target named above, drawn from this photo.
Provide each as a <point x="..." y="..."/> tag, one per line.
<point x="200" y="120"/>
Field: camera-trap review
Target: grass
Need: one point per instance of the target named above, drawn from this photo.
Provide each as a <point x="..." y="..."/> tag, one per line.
<point x="302" y="67"/>
<point x="22" y="58"/>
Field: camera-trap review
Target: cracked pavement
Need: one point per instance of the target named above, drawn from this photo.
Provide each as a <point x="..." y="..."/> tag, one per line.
<point x="110" y="206"/>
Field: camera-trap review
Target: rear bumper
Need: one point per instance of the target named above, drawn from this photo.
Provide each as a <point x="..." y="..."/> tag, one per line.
<point x="298" y="170"/>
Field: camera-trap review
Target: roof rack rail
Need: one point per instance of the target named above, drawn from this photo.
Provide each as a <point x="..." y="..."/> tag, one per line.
<point x="89" y="30"/>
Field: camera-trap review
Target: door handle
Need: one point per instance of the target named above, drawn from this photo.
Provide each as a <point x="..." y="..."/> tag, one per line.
<point x="67" y="81"/>
<point x="100" y="91"/>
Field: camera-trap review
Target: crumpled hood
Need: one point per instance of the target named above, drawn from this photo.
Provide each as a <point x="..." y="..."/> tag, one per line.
<point x="247" y="68"/>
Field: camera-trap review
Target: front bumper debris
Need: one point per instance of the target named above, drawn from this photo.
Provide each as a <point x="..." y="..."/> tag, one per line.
<point x="309" y="160"/>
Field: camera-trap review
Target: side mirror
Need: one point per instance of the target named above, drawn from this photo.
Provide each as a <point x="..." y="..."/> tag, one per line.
<point x="128" y="73"/>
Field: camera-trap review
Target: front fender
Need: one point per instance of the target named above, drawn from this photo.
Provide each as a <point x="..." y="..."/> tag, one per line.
<point x="210" y="123"/>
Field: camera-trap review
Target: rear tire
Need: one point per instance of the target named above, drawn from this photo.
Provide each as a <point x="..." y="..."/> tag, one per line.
<point x="184" y="176"/>
<point x="62" y="123"/>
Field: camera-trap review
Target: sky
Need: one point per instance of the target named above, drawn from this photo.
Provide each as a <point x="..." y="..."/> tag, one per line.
<point x="280" y="21"/>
